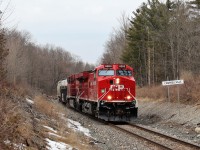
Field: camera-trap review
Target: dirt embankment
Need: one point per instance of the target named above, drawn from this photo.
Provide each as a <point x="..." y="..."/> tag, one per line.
<point x="179" y="118"/>
<point x="170" y="111"/>
<point x="36" y="122"/>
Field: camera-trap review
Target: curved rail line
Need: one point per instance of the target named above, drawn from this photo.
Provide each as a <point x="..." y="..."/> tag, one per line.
<point x="156" y="143"/>
<point x="182" y="142"/>
<point x="140" y="137"/>
<point x="169" y="139"/>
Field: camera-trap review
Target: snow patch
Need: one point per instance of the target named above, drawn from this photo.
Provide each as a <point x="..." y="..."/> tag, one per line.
<point x="77" y="127"/>
<point x="16" y="146"/>
<point x="55" y="135"/>
<point x="51" y="129"/>
<point x="29" y="101"/>
<point x="52" y="145"/>
<point x="197" y="130"/>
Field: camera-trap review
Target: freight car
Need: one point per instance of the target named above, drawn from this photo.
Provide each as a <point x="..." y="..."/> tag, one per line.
<point x="107" y="92"/>
<point x="62" y="90"/>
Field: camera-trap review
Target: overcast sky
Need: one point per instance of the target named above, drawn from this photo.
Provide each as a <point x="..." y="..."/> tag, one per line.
<point x="79" y="26"/>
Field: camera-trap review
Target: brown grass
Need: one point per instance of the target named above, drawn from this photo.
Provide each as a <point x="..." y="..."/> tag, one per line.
<point x="13" y="122"/>
<point x="18" y="126"/>
<point x="153" y="92"/>
<point x="72" y="138"/>
<point x="189" y="91"/>
<point x="54" y="110"/>
<point x="46" y="107"/>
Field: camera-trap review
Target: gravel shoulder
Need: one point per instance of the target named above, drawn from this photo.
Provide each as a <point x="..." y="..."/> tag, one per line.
<point x="170" y="118"/>
<point x="175" y="119"/>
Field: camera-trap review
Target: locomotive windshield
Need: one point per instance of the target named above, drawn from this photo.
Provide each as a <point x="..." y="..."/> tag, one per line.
<point x="106" y="72"/>
<point x="124" y="73"/>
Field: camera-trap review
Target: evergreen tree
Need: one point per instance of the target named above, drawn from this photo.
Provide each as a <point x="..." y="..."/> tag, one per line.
<point x="145" y="37"/>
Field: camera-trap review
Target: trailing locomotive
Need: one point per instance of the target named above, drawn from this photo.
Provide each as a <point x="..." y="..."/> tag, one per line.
<point x="107" y="92"/>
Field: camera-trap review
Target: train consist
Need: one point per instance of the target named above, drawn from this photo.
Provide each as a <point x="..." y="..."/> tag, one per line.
<point x="107" y="92"/>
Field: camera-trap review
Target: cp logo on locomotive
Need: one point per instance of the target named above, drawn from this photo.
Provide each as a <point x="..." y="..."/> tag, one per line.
<point x="116" y="87"/>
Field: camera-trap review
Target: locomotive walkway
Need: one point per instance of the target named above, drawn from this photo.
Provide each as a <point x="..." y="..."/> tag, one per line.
<point x="159" y="140"/>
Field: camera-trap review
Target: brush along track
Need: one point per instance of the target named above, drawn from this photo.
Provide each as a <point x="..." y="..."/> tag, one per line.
<point x="158" y="139"/>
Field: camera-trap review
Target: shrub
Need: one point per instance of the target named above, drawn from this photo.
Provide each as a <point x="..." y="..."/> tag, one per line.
<point x="11" y="120"/>
<point x="189" y="92"/>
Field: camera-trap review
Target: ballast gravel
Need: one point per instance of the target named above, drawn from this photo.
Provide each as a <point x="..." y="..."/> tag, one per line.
<point x="106" y="137"/>
<point x="172" y="119"/>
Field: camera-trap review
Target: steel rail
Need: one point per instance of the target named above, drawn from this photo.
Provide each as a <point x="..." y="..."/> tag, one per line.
<point x="140" y="137"/>
<point x="180" y="141"/>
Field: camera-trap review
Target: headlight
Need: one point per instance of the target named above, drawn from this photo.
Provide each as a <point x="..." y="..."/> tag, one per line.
<point x="109" y="97"/>
<point x="128" y="97"/>
<point x="117" y="81"/>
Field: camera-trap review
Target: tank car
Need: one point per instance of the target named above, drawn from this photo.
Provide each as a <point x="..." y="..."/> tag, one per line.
<point x="62" y="90"/>
<point x="107" y="92"/>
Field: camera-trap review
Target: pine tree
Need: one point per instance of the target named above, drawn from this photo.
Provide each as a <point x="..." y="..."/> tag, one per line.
<point x="145" y="39"/>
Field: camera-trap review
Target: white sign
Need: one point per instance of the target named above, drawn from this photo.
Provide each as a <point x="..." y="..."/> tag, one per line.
<point x="172" y="82"/>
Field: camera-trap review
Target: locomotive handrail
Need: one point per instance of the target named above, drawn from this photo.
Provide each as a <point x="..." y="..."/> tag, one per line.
<point x="80" y="94"/>
<point x="131" y="94"/>
<point x="102" y="96"/>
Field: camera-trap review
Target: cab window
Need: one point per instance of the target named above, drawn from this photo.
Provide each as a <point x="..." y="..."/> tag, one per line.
<point x="124" y="73"/>
<point x="106" y="72"/>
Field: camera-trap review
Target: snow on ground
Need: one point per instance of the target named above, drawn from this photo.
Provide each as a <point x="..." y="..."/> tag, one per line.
<point x="77" y="127"/>
<point x="56" y="135"/>
<point x="52" y="145"/>
<point x="29" y="101"/>
<point x="51" y="129"/>
<point x="16" y="146"/>
<point x="55" y="145"/>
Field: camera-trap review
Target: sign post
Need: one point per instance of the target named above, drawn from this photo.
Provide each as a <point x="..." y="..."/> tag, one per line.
<point x="173" y="82"/>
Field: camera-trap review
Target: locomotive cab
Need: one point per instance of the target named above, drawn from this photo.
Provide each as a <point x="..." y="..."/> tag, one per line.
<point x="116" y="93"/>
<point x="108" y="92"/>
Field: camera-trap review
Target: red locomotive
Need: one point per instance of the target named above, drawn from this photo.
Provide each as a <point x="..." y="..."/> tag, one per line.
<point x="108" y="92"/>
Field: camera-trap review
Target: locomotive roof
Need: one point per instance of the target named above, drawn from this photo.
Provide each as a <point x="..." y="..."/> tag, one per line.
<point x="114" y="66"/>
<point x="85" y="74"/>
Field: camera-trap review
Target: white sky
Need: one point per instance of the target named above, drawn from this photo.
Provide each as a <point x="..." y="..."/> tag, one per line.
<point x="79" y="26"/>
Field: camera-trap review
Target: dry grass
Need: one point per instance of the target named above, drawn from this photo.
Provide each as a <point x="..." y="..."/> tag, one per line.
<point x="21" y="126"/>
<point x="73" y="139"/>
<point x="53" y="111"/>
<point x="14" y="126"/>
<point x="153" y="92"/>
<point x="14" y="121"/>
<point x="15" y="92"/>
<point x="46" y="107"/>
<point x="189" y="91"/>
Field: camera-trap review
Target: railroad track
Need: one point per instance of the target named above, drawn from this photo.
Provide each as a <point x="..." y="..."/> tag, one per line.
<point x="159" y="140"/>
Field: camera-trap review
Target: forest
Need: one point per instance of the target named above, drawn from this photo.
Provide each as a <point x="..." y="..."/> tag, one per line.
<point x="160" y="41"/>
<point x="34" y="66"/>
